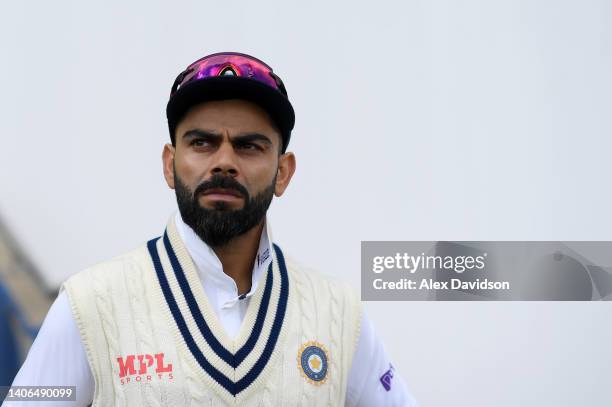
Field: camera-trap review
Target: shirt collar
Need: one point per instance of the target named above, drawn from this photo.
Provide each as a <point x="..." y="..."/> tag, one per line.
<point x="209" y="266"/>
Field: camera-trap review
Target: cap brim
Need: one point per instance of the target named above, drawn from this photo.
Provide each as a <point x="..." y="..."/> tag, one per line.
<point x="230" y="87"/>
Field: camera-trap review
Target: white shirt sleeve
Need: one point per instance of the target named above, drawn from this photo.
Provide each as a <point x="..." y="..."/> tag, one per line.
<point x="372" y="380"/>
<point x="57" y="358"/>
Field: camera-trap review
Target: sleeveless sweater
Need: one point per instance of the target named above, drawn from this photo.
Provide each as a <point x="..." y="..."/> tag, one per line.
<point x="153" y="339"/>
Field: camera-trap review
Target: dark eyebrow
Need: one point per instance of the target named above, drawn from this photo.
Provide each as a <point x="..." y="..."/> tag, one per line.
<point x="240" y="138"/>
<point x="248" y="137"/>
<point x="200" y="133"/>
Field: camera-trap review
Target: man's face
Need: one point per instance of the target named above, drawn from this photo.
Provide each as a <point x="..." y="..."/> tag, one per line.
<point x="225" y="167"/>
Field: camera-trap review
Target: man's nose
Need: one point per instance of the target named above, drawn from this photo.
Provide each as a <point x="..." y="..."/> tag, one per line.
<point x="225" y="160"/>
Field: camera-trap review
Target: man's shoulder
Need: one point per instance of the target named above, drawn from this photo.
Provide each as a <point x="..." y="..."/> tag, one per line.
<point x="312" y="279"/>
<point x="334" y="300"/>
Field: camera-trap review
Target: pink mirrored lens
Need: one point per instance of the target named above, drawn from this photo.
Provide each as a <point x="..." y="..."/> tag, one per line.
<point x="224" y="64"/>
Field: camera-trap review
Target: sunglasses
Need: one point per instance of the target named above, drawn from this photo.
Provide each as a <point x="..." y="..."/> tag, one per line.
<point x="228" y="64"/>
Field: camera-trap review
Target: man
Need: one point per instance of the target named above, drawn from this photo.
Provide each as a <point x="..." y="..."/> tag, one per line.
<point x="213" y="312"/>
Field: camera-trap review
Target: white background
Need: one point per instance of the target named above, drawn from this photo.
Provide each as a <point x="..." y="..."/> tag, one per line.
<point x="416" y="120"/>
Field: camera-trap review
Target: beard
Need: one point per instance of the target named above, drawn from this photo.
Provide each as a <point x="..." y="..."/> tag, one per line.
<point x="219" y="225"/>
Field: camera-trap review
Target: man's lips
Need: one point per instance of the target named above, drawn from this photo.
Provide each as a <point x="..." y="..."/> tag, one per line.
<point x="222" y="194"/>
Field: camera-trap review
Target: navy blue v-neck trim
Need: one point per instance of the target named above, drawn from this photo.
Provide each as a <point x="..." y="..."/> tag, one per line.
<point x="233" y="360"/>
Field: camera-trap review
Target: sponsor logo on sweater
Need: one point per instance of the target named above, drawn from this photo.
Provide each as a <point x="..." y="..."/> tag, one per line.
<point x="145" y="367"/>
<point x="385" y="379"/>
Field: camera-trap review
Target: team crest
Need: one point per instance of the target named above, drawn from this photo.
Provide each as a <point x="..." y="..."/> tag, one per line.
<point x="313" y="361"/>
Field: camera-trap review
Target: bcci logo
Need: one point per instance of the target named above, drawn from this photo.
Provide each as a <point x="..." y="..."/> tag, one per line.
<point x="313" y="362"/>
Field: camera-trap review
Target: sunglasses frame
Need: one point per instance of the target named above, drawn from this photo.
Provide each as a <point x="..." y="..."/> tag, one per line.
<point x="200" y="66"/>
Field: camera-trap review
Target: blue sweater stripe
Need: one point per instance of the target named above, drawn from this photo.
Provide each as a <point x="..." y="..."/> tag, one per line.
<point x="219" y="377"/>
<point x="276" y="326"/>
<point x="233" y="360"/>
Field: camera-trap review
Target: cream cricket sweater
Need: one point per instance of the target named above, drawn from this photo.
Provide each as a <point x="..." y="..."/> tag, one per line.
<point x="153" y="339"/>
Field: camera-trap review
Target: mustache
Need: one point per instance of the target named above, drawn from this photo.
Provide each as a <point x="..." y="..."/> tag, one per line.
<point x="221" y="181"/>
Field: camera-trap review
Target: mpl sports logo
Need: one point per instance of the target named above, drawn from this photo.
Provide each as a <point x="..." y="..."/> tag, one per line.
<point x="149" y="367"/>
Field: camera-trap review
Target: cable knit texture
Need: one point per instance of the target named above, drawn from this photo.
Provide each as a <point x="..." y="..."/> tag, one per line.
<point x="143" y="351"/>
<point x="141" y="322"/>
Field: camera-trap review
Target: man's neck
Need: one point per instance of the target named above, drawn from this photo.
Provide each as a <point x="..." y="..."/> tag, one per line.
<point x="238" y="255"/>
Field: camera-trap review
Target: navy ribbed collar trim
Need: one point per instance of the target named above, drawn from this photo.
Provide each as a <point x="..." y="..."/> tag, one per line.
<point x="232" y="359"/>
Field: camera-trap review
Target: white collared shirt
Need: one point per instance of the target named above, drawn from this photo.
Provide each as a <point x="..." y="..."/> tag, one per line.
<point x="220" y="288"/>
<point x="57" y="356"/>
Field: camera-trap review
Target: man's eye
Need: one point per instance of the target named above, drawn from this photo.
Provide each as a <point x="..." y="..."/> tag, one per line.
<point x="249" y="146"/>
<point x="199" y="143"/>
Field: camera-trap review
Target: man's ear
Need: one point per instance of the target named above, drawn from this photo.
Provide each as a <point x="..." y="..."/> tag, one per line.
<point x="286" y="168"/>
<point x="168" y="161"/>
